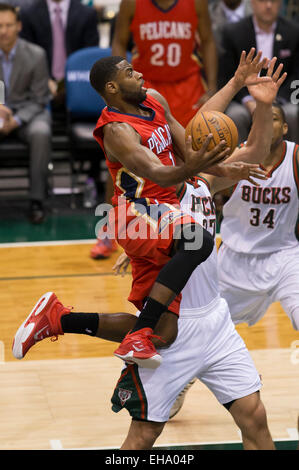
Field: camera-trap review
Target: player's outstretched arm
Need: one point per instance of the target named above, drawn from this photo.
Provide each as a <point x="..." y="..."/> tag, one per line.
<point x="246" y="74"/>
<point x="255" y="150"/>
<point x="258" y="144"/>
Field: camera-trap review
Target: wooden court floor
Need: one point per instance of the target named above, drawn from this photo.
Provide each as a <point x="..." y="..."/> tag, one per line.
<point x="59" y="395"/>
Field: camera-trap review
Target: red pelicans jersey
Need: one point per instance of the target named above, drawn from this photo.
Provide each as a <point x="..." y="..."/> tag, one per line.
<point x="155" y="134"/>
<point x="165" y="40"/>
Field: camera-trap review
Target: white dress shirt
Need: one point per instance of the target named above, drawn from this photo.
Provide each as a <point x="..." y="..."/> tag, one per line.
<point x="264" y="43"/>
<point x="264" y="40"/>
<point x="233" y="16"/>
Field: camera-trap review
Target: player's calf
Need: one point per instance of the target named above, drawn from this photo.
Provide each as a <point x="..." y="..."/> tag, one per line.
<point x="142" y="435"/>
<point x="250" y="416"/>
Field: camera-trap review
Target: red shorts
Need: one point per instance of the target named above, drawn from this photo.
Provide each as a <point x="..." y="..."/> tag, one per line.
<point x="182" y="96"/>
<point x="146" y="232"/>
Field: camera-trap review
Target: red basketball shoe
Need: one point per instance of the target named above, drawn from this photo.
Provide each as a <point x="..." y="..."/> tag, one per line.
<point x="43" y="322"/>
<point x="103" y="249"/>
<point x="137" y="348"/>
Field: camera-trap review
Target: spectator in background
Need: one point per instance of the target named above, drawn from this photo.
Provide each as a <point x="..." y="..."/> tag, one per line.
<point x="165" y="34"/>
<point x="274" y="36"/>
<point x="60" y="27"/>
<point x="227" y="11"/>
<point x="24" y="70"/>
<point x="18" y="3"/>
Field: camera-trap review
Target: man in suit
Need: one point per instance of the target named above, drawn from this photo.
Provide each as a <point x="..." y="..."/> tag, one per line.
<point x="60" y="27"/>
<point x="274" y="36"/>
<point x="24" y="71"/>
<point x="223" y="12"/>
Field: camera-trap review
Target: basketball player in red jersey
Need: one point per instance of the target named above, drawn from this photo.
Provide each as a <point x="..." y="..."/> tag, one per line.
<point x="138" y="135"/>
<point x="165" y="33"/>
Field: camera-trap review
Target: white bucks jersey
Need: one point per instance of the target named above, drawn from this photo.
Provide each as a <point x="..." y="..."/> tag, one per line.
<point x="264" y="219"/>
<point x="202" y="286"/>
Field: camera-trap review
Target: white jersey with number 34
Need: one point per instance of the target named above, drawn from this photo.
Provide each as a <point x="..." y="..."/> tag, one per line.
<point x="264" y="219"/>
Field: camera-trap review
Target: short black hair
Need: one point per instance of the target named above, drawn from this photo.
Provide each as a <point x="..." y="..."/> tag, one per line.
<point x="102" y="71"/>
<point x="13" y="9"/>
<point x="278" y="106"/>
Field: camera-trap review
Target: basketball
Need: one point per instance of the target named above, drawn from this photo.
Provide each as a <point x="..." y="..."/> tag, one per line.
<point x="212" y="122"/>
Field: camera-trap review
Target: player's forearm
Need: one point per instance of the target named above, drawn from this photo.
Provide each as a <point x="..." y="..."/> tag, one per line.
<point x="261" y="132"/>
<point x="146" y="165"/>
<point x="223" y="97"/>
<point x="166" y="176"/>
<point x="217" y="170"/>
<point x="210" y="62"/>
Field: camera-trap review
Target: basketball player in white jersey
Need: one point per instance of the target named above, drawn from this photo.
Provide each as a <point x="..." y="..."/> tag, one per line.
<point x="258" y="260"/>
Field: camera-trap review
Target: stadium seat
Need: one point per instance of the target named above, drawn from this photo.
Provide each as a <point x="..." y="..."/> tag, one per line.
<point x="83" y="104"/>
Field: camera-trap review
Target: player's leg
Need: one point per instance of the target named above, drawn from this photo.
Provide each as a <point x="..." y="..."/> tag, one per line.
<point x="231" y="375"/>
<point x="105" y="246"/>
<point x="50" y="318"/>
<point x="287" y="288"/>
<point x="242" y="285"/>
<point x="37" y="134"/>
<point x="142" y="435"/>
<point x="194" y="247"/>
<point x="176" y="252"/>
<point x="115" y="326"/>
<point x="250" y="416"/>
<point x="148" y="395"/>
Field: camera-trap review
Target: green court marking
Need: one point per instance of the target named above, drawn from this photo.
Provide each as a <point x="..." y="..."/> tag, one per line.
<point x="56" y="227"/>
<point x="55" y="276"/>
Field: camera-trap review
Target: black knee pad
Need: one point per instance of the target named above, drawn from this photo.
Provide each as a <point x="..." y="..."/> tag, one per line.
<point x="194" y="246"/>
<point x="195" y="242"/>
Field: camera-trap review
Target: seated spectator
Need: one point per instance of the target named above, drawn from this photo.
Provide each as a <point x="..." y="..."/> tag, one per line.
<point x="227" y="11"/>
<point x="274" y="35"/>
<point x="24" y="71"/>
<point x="60" y="27"/>
<point x="18" y="3"/>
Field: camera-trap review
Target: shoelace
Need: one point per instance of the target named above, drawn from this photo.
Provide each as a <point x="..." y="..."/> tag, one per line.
<point x="150" y="336"/>
<point x="156" y="336"/>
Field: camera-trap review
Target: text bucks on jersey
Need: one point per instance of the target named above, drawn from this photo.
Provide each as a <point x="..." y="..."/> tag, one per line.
<point x="264" y="219"/>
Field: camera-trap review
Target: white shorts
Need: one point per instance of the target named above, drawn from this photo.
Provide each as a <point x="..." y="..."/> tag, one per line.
<point x="207" y="347"/>
<point x="251" y="283"/>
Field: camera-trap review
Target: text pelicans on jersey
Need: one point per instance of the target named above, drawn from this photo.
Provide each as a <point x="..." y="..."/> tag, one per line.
<point x="165" y="30"/>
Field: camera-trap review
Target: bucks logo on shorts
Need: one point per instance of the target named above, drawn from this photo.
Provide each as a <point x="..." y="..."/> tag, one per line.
<point x="124" y="395"/>
<point x="129" y="394"/>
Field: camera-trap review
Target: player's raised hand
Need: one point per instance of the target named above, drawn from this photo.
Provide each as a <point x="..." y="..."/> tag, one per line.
<point x="244" y="171"/>
<point x="249" y="68"/>
<point x="265" y="92"/>
<point x="199" y="160"/>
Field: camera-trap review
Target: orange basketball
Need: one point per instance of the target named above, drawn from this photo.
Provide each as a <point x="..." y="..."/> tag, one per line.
<point x="212" y="122"/>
